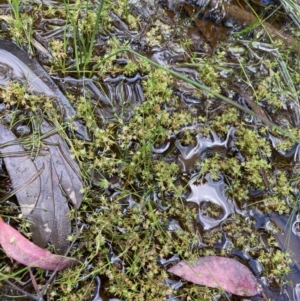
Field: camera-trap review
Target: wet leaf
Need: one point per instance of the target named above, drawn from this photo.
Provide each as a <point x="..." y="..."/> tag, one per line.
<point x="64" y="166"/>
<point x="45" y="200"/>
<point x="218" y="272"/>
<point x="60" y="181"/>
<point x="50" y="221"/>
<point x="20" y="169"/>
<point x="24" y="251"/>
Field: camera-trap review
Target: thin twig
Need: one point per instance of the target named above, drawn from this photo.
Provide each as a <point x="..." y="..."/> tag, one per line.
<point x="20" y="187"/>
<point x="33" y="297"/>
<point x="42" y="291"/>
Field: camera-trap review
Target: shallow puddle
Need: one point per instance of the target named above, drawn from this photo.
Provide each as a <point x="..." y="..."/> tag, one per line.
<point x="170" y="171"/>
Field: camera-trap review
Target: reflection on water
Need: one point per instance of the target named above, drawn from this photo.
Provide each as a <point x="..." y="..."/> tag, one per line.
<point x="13" y="69"/>
<point x="114" y="99"/>
<point x="214" y="192"/>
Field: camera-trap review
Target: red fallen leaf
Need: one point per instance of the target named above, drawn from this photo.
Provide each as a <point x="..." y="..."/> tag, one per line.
<point x="218" y="272"/>
<point x="24" y="251"/>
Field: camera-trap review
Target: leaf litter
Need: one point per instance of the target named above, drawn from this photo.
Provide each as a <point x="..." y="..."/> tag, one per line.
<point x="218" y="272"/>
<point x="19" y="248"/>
<point x="20" y="169"/>
<point x="44" y="201"/>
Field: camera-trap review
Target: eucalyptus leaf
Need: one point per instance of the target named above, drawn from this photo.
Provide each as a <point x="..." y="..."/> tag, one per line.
<point x="24" y="251"/>
<point x="219" y="272"/>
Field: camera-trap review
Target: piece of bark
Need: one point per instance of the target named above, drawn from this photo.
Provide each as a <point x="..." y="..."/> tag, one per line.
<point x="45" y="204"/>
<point x="43" y="214"/>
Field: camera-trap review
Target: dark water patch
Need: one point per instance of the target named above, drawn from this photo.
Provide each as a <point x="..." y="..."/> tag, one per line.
<point x="205" y="147"/>
<point x="114" y="99"/>
<point x="125" y="93"/>
<point x="99" y="294"/>
<point x="291" y="156"/>
<point x="121" y="29"/>
<point x="7" y="293"/>
<point x="214" y="13"/>
<point x="22" y="130"/>
<point x="286" y="236"/>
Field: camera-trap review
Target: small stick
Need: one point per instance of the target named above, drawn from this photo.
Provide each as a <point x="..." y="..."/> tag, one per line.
<point x="33" y="297"/>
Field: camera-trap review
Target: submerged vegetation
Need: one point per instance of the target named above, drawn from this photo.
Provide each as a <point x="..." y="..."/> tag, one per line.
<point x="154" y="134"/>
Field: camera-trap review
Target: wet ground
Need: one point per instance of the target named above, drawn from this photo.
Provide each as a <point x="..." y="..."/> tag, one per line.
<point x="181" y="172"/>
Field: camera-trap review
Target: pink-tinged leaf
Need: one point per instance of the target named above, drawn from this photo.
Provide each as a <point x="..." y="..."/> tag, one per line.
<point x="218" y="272"/>
<point x="24" y="251"/>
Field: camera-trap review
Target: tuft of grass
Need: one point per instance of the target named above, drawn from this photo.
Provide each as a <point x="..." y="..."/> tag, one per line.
<point x="292" y="9"/>
<point x="85" y="23"/>
<point x="22" y="24"/>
